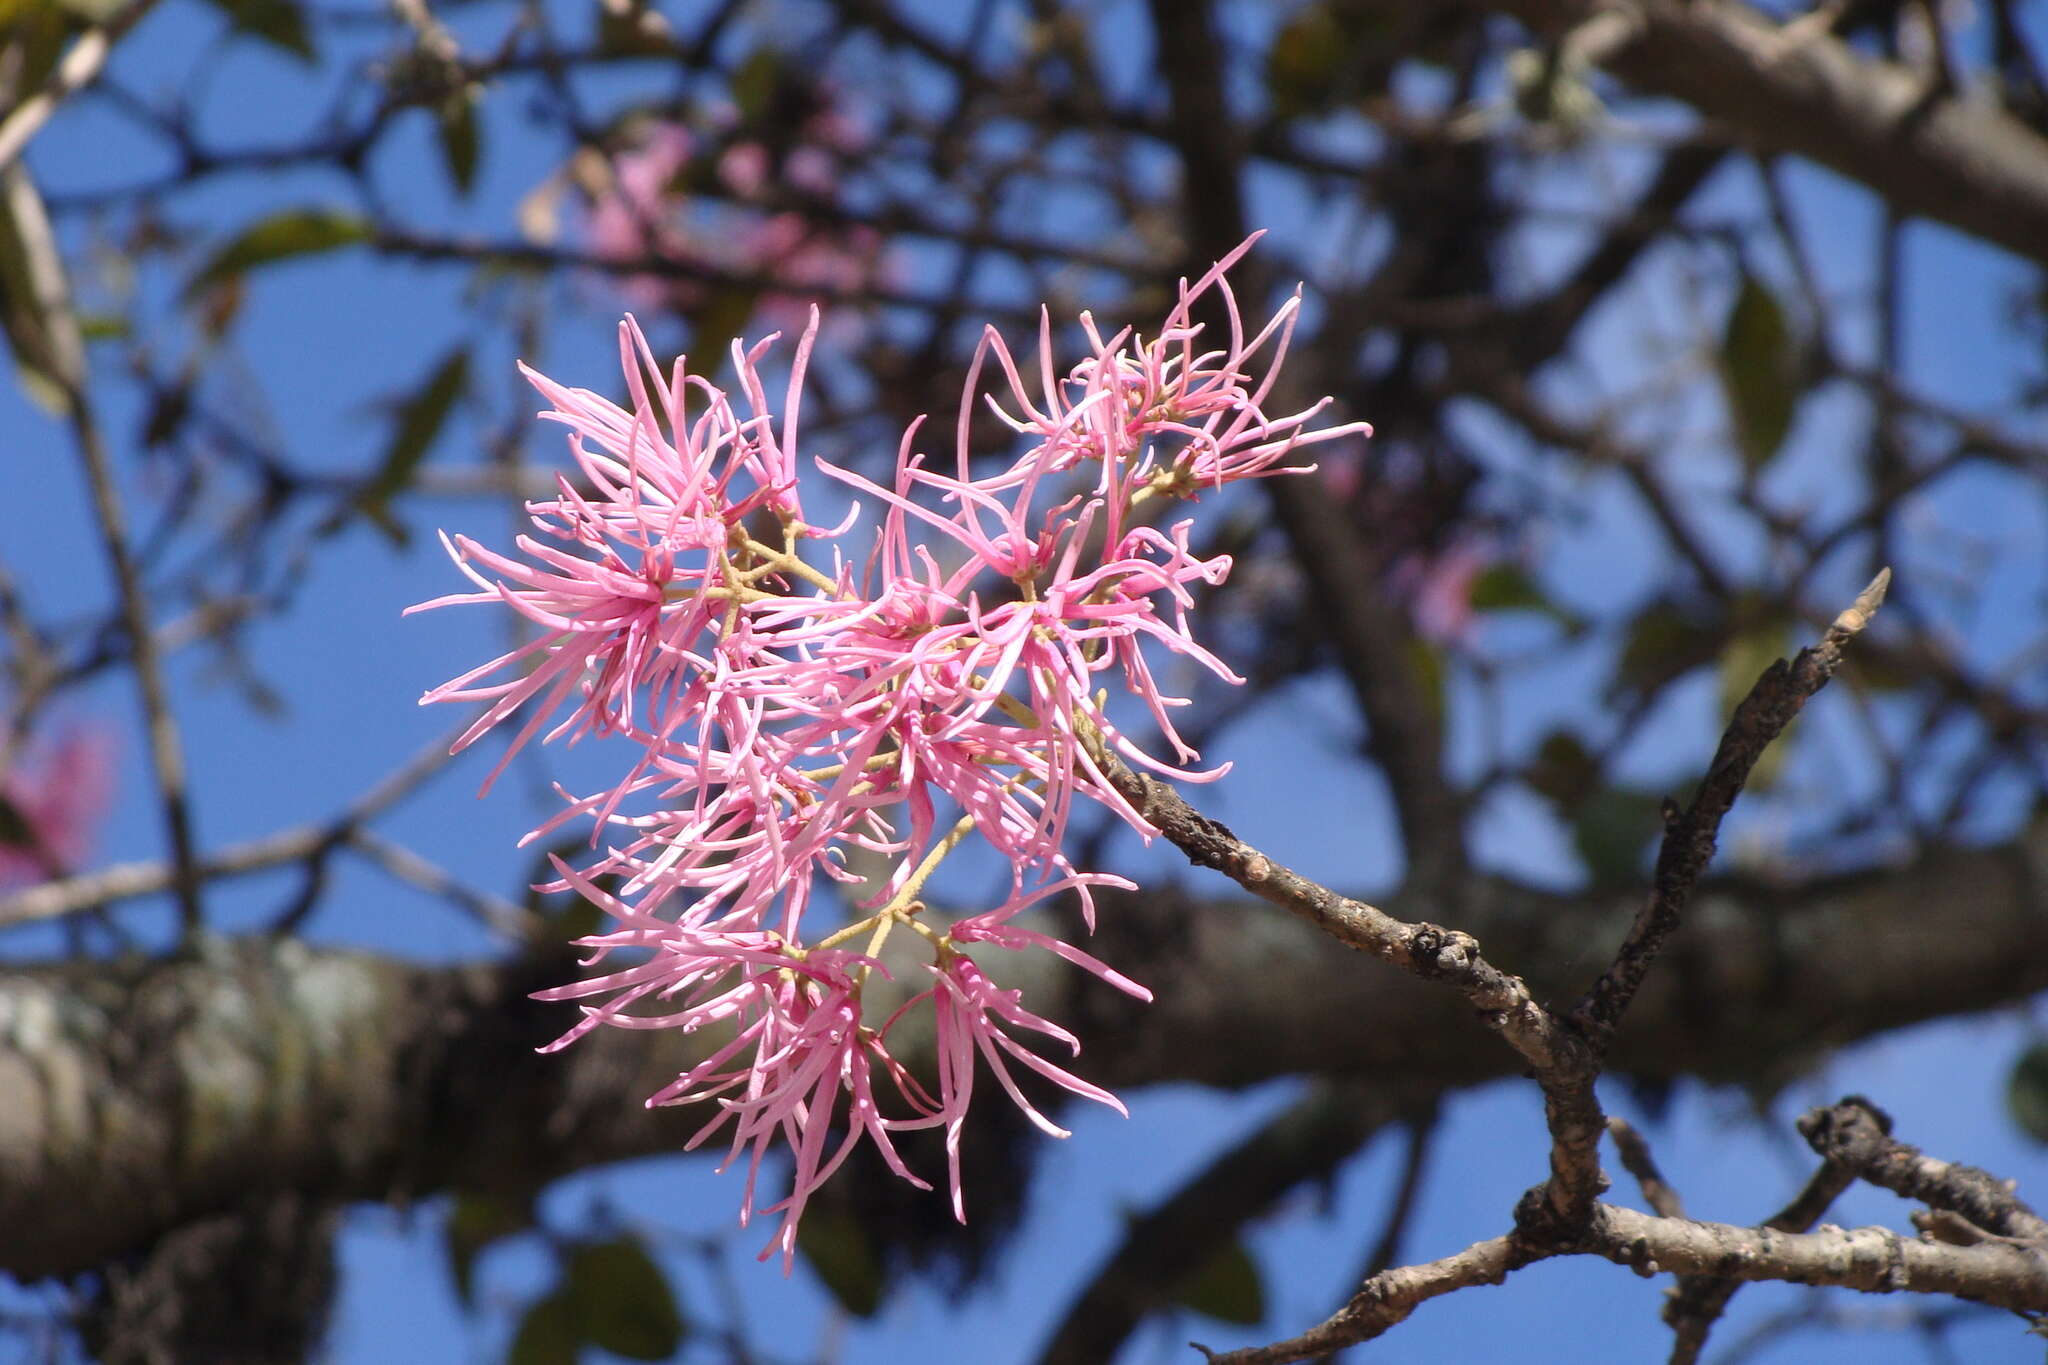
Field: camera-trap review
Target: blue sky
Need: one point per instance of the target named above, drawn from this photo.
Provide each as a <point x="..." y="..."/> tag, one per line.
<point x="327" y="340"/>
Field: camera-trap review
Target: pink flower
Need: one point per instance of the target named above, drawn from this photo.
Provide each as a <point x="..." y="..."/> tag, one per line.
<point x="797" y="1042"/>
<point x="785" y="716"/>
<point x="1439" y="590"/>
<point x="972" y="1014"/>
<point x="51" y="803"/>
<point x="627" y="594"/>
<point x="741" y="223"/>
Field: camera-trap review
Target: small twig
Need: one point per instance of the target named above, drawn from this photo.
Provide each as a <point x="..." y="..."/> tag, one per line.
<point x="513" y="921"/>
<point x="76" y="69"/>
<point x="1856" y="1134"/>
<point x="126" y="881"/>
<point x="1560" y="1060"/>
<point x="1388" y="1247"/>
<point x="1386" y="1301"/>
<point x="1170" y="1243"/>
<point x="1559" y="1216"/>
<point x="1698" y="1301"/>
<point x="1689" y="840"/>
<point x="1423" y="950"/>
<point x="1637" y="1161"/>
<point x="64" y="357"/>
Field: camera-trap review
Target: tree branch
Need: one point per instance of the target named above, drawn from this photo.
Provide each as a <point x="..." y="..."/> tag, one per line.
<point x="1856" y="1135"/>
<point x="85" y="59"/>
<point x="145" y="1097"/>
<point x="1960" y="161"/>
<point x="1697" y="1301"/>
<point x="64" y="365"/>
<point x="1364" y="630"/>
<point x="1690" y="838"/>
<point x="1172" y="1242"/>
<point x="1875" y="1260"/>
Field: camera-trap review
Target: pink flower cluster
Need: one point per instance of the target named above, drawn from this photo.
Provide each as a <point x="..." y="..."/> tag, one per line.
<point x="789" y="716"/>
<point x="51" y="803"/>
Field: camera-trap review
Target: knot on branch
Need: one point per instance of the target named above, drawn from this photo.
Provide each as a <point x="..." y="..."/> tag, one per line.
<point x="1541" y="1226"/>
<point x="1437" y="952"/>
<point x="1853" y="1133"/>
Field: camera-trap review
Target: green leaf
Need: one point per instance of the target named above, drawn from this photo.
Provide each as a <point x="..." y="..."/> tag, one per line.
<point x="1426" y="668"/>
<point x="634" y="30"/>
<point x="36" y="32"/>
<point x="461" y="143"/>
<point x="43" y="355"/>
<point x="719" y="318"/>
<point x="1305" y="64"/>
<point x="280" y="23"/>
<point x="104" y="327"/>
<point x="1742" y="663"/>
<point x="1563" y="770"/>
<point x="1665" y="641"/>
<point x="754" y="83"/>
<point x="420" y="419"/>
<point x="1510" y="587"/>
<point x="1229" y="1288"/>
<point x="548" y="1334"/>
<point x="1611" y="831"/>
<point x="1759" y="371"/>
<point x="15" y="831"/>
<point x="2026" y="1093"/>
<point x="623" y="1301"/>
<point x="1329" y="55"/>
<point x="474" y="1222"/>
<point x="280" y="237"/>
<point x="839" y="1249"/>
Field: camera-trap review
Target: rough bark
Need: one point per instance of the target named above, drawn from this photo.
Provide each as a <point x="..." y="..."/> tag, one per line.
<point x="1950" y="157"/>
<point x="146" y="1098"/>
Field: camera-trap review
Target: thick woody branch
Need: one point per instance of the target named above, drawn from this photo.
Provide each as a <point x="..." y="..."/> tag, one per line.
<point x="141" y="1098"/>
<point x="1784" y="88"/>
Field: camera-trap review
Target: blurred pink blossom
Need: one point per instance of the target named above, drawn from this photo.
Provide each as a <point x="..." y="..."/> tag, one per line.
<point x="55" y="796"/>
<point x="787" y="713"/>
<point x="742" y="225"/>
<point x="1439" y="590"/>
